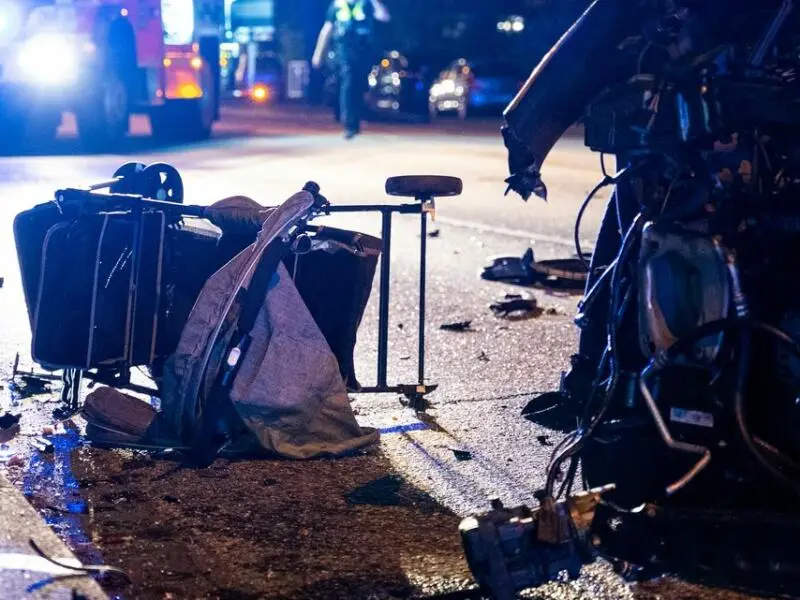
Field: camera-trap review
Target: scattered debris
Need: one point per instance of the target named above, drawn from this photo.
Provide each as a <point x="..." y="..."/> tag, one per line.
<point x="457" y="326"/>
<point x="9" y="420"/>
<point x="48" y="430"/>
<point x="9" y="427"/>
<point x="16" y="461"/>
<point x="269" y="482"/>
<point x="555" y="311"/>
<point x="516" y="306"/>
<point x="171" y="499"/>
<point x="568" y="273"/>
<point x="483" y="357"/>
<point x="25" y="386"/>
<point x="43" y="445"/>
<point x="2" y="281"/>
<point x="405" y="358"/>
<point x="544" y="440"/>
<point x="399" y="325"/>
<point x="461" y="453"/>
<point x="435" y="233"/>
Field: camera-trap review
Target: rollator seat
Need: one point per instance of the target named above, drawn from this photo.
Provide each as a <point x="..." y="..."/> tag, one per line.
<point x="424" y="186"/>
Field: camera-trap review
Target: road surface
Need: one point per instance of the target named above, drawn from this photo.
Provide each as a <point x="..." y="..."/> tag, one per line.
<point x="381" y="525"/>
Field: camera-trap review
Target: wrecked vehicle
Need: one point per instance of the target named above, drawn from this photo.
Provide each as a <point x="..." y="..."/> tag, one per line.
<point x="686" y="378"/>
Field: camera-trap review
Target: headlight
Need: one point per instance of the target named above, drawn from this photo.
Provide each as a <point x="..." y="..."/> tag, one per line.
<point x="446" y="86"/>
<point x="48" y="59"/>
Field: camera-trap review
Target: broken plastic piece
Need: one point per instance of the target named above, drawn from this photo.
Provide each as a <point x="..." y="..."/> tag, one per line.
<point x="9" y="420"/>
<point x="562" y="273"/>
<point x="457" y="326"/>
<point x="43" y="445"/>
<point x="514" y="305"/>
<point x="461" y="453"/>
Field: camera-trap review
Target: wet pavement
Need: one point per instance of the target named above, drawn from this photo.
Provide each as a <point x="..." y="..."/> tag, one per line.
<point x="381" y="524"/>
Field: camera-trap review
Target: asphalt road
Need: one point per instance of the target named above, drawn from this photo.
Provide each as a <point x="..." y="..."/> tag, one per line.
<point x="409" y="544"/>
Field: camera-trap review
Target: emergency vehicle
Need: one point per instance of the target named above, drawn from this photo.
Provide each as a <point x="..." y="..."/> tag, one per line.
<point x="105" y="59"/>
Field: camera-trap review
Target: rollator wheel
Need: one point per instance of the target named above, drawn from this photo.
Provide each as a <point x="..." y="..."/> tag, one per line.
<point x="161" y="181"/>
<point x="130" y="173"/>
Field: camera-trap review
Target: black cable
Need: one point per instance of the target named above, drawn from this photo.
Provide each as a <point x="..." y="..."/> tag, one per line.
<point x="612" y="324"/>
<point x="577" y="232"/>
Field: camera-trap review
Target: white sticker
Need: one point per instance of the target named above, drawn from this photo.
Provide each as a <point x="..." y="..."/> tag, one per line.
<point x="691" y="417"/>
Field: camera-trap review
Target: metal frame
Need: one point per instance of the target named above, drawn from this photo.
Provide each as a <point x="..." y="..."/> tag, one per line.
<point x="118" y="375"/>
<point x="414" y="392"/>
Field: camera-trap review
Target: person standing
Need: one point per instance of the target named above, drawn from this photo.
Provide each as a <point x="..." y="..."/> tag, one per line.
<point x="351" y="26"/>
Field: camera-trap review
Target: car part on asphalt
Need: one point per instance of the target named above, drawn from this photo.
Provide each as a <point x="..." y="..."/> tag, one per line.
<point x="509" y="550"/>
<point x="515" y="306"/>
<point x="565" y="273"/>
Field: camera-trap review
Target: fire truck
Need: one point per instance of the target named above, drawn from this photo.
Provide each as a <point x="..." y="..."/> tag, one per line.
<point x="103" y="60"/>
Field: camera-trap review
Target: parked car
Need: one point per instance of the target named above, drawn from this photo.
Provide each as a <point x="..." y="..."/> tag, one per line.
<point x="466" y="86"/>
<point x="398" y="87"/>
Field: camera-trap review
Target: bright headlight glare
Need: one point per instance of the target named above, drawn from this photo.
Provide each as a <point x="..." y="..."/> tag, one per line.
<point x="446" y="86"/>
<point x="48" y="59"/>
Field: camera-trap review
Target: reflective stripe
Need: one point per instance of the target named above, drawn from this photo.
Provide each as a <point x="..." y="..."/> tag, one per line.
<point x="345" y="11"/>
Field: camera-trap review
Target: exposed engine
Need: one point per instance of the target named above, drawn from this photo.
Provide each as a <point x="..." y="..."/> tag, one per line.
<point x="687" y="380"/>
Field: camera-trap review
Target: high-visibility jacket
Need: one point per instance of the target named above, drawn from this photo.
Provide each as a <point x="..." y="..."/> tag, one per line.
<point x="353" y="19"/>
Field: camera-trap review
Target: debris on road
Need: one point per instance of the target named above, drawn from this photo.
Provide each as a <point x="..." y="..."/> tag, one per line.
<point x="171" y="499"/>
<point x="43" y="445"/>
<point x="12" y="460"/>
<point x="435" y="233"/>
<point x="32" y="386"/>
<point x="516" y="306"/>
<point x="8" y="420"/>
<point x="457" y="326"/>
<point x="568" y="273"/>
<point x="544" y="440"/>
<point x="9" y="427"/>
<point x="483" y="357"/>
<point x="461" y="453"/>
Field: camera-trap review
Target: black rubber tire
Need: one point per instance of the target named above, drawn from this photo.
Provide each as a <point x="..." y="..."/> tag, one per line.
<point x="103" y="118"/>
<point x="186" y="120"/>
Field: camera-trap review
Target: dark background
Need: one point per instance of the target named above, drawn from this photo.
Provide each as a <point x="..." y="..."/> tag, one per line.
<point x="442" y="30"/>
